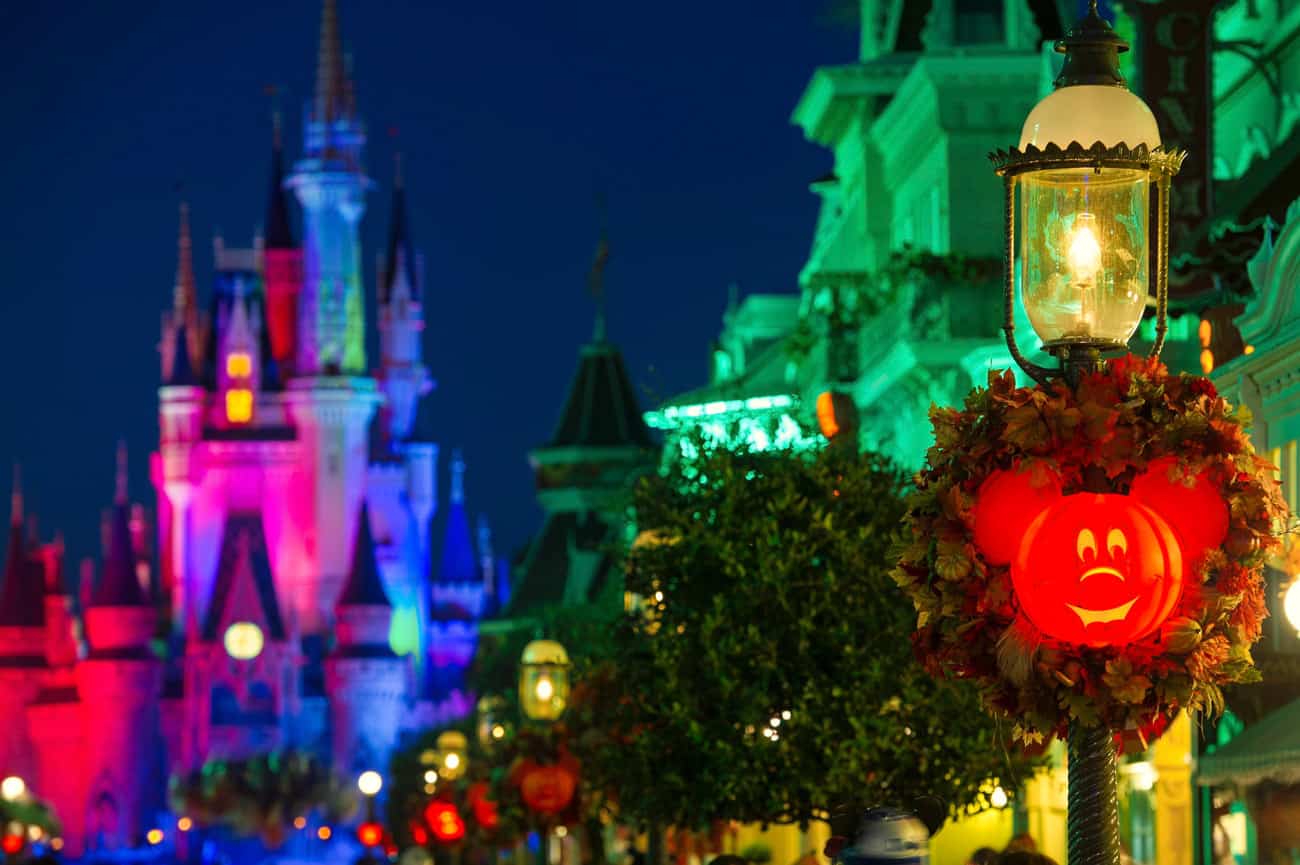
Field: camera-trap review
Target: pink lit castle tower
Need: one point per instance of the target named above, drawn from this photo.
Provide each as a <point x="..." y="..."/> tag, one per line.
<point x="292" y="602"/>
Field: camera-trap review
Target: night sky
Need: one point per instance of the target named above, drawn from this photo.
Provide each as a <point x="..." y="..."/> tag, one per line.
<point x="512" y="117"/>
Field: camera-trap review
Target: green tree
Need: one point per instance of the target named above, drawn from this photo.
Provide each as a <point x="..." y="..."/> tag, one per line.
<point x="769" y="676"/>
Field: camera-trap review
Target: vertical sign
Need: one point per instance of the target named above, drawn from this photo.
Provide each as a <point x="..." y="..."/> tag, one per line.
<point x="1174" y="44"/>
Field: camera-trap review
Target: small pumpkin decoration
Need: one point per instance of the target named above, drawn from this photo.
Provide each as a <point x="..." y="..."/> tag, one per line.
<point x="548" y="789"/>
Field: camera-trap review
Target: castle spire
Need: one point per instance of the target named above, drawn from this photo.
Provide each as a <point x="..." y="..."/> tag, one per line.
<point x="364" y="587"/>
<point x="118" y="584"/>
<point x="596" y="285"/>
<point x="457" y="477"/>
<point x="16" y="497"/>
<point x="278" y="233"/>
<point x="185" y="294"/>
<point x="331" y="77"/>
<point x="400" y="262"/>
<point x="120" y="475"/>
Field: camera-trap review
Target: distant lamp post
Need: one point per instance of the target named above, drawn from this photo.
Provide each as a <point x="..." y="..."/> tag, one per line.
<point x="490" y="726"/>
<point x="544" y="680"/>
<point x="453" y="754"/>
<point x="370" y="783"/>
<point x="1088" y="157"/>
<point x="13" y="788"/>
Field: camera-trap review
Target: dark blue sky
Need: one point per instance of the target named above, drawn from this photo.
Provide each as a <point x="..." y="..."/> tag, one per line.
<point x="511" y="115"/>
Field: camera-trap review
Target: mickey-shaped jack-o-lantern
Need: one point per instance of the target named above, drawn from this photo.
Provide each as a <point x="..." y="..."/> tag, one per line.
<point x="1098" y="569"/>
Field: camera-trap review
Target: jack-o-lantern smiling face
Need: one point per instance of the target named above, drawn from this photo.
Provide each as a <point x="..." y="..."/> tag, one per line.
<point x="1097" y="569"/>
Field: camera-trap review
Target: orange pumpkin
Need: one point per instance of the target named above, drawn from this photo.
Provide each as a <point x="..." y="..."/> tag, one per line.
<point x="547" y="789"/>
<point x="1099" y="570"/>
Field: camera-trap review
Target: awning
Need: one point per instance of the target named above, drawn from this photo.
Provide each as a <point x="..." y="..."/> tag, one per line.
<point x="1265" y="751"/>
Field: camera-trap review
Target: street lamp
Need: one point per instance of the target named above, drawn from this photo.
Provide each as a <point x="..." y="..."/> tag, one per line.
<point x="490" y="728"/>
<point x="544" y="680"/>
<point x="12" y="788"/>
<point x="370" y="783"/>
<point x="1291" y="604"/>
<point x="453" y="754"/>
<point x="1088" y="157"/>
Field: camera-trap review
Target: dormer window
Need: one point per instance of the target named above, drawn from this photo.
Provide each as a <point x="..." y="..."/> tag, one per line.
<point x="239" y="405"/>
<point x="239" y="364"/>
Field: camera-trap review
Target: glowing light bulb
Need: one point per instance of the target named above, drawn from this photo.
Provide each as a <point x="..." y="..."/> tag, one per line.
<point x="1084" y="254"/>
<point x="452" y="761"/>
<point x="1290" y="605"/>
<point x="998" y="798"/>
<point x="498" y="732"/>
<point x="12" y="788"/>
<point x="544" y="689"/>
<point x="370" y="782"/>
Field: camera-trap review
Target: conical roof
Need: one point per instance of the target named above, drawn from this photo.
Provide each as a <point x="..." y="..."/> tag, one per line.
<point x="365" y="588"/>
<point x="22" y="596"/>
<point x="118" y="584"/>
<point x="602" y="408"/>
<point x="400" y="259"/>
<point x="279" y="234"/>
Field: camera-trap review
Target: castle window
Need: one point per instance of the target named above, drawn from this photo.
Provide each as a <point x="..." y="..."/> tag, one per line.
<point x="239" y="364"/>
<point x="239" y="405"/>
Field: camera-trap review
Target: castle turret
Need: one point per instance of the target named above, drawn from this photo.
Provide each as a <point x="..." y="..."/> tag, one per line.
<point x="119" y="683"/>
<point x="22" y="643"/>
<point x="330" y="186"/>
<point x="457" y="599"/>
<point x="329" y="401"/>
<point x="54" y="718"/>
<point x="399" y="290"/>
<point x="282" y="263"/>
<point x="364" y="679"/>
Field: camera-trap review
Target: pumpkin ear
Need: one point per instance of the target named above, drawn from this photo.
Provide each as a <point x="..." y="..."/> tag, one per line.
<point x="1008" y="501"/>
<point x="1196" y="510"/>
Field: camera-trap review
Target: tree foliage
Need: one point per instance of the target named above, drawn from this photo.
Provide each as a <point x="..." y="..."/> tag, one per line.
<point x="768" y="606"/>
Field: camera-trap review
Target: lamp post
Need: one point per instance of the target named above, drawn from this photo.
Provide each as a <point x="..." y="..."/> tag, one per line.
<point x="453" y="754"/>
<point x="544" y="680"/>
<point x="1088" y="160"/>
<point x="490" y="726"/>
<point x="371" y="832"/>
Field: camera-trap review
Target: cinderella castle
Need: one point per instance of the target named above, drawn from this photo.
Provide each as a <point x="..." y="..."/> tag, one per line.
<point x="287" y="597"/>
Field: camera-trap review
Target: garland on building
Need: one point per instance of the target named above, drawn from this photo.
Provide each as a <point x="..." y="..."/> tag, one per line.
<point x="261" y="795"/>
<point x="847" y="306"/>
<point x="1096" y="438"/>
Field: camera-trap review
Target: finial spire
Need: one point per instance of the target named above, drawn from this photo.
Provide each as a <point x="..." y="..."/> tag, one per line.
<point x="120" y="493"/>
<point x="330" y="77"/>
<point x="16" y="497"/>
<point x="596" y="276"/>
<point x="399" y="182"/>
<point x="457" y="477"/>
<point x="185" y="293"/>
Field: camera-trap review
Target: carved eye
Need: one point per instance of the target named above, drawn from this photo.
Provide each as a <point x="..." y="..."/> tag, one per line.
<point x="1116" y="543"/>
<point x="1087" y="543"/>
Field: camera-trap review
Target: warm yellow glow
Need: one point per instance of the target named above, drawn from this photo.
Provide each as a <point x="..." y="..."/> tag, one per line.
<point x="1207" y="361"/>
<point x="1291" y="605"/>
<point x="370" y="782"/>
<point x="34" y="833"/>
<point x="239" y="364"/>
<point x="430" y="777"/>
<point x="1142" y="776"/>
<point x="185" y="824"/>
<point x="56" y="844"/>
<point x="561" y="831"/>
<point x="300" y="822"/>
<point x="452" y="761"/>
<point x="243" y="641"/>
<point x="544" y="680"/>
<point x="324" y="833"/>
<point x="1085" y="252"/>
<point x="998" y="798"/>
<point x="428" y="757"/>
<point x="154" y="836"/>
<point x="12" y="788"/>
<point x="1250" y="349"/>
<point x="498" y="732"/>
<point x="453" y="750"/>
<point x="1205" y="332"/>
<point x="239" y="405"/>
<point x="544" y="689"/>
